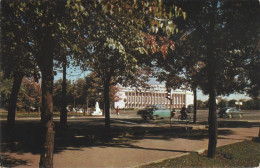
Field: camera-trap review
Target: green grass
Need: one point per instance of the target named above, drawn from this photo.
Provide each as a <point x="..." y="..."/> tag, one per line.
<point x="242" y="154"/>
<point x="36" y="114"/>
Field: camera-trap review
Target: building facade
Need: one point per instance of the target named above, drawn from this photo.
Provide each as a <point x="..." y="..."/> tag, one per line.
<point x="156" y="95"/>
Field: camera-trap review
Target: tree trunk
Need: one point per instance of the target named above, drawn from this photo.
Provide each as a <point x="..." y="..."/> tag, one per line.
<point x="45" y="62"/>
<point x="46" y="159"/>
<point x="63" y="113"/>
<point x="213" y="125"/>
<point x="13" y="99"/>
<point x="107" y="103"/>
<point x="195" y="106"/>
<point x="212" y="118"/>
<point x="86" y="108"/>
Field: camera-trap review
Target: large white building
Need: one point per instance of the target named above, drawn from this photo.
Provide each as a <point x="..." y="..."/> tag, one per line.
<point x="156" y="95"/>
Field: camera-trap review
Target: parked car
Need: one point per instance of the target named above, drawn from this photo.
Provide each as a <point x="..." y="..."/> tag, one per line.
<point x="190" y="108"/>
<point x="155" y="111"/>
<point x="229" y="112"/>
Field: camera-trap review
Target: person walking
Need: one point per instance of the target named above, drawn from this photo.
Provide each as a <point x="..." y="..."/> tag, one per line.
<point x="117" y="110"/>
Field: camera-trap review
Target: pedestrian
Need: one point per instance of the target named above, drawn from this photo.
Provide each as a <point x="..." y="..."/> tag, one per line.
<point x="183" y="112"/>
<point x="117" y="110"/>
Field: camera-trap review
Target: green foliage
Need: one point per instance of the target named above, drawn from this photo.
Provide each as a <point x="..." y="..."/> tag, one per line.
<point x="252" y="104"/>
<point x="200" y="104"/>
<point x="5" y="90"/>
<point x="223" y="103"/>
<point x="57" y="94"/>
<point x="16" y="56"/>
<point x="235" y="51"/>
<point x="29" y="95"/>
<point x="242" y="154"/>
<point x="89" y="89"/>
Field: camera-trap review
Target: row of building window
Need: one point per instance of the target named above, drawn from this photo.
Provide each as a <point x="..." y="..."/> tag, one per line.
<point x="134" y="99"/>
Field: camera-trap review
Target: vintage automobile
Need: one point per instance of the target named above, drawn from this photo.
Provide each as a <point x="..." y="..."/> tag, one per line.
<point x="155" y="111"/>
<point x="229" y="112"/>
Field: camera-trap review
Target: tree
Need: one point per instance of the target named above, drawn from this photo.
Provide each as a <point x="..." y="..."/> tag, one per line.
<point x="93" y="89"/>
<point x="218" y="35"/>
<point x="57" y="93"/>
<point x="120" y="53"/>
<point x="200" y="104"/>
<point x="63" y="112"/>
<point x="223" y="103"/>
<point x="5" y="90"/>
<point x="41" y="22"/>
<point x="117" y="54"/>
<point x="18" y="61"/>
<point x="30" y="93"/>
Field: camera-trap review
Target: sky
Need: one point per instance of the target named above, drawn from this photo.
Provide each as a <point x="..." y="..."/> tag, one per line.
<point x="74" y="74"/>
<point x="201" y="96"/>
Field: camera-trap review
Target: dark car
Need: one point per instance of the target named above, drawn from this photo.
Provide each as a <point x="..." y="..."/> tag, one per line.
<point x="229" y="112"/>
<point x="155" y="111"/>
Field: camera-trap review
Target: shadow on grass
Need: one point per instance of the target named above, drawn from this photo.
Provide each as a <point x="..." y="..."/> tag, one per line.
<point x="26" y="138"/>
<point x="235" y="124"/>
<point x="7" y="161"/>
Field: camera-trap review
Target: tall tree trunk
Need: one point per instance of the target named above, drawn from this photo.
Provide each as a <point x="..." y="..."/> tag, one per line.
<point x="13" y="99"/>
<point x="63" y="114"/>
<point x="107" y="103"/>
<point x="45" y="62"/>
<point x="212" y="118"/>
<point x="86" y="108"/>
<point x="195" y="106"/>
<point x="46" y="159"/>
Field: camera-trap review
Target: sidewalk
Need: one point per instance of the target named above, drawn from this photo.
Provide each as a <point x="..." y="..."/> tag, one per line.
<point x="139" y="152"/>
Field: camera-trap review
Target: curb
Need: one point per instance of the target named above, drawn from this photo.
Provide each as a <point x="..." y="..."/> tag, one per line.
<point x="200" y="151"/>
<point x="160" y="160"/>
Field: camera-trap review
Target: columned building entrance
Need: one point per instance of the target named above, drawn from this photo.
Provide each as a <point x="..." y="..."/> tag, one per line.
<point x="156" y="95"/>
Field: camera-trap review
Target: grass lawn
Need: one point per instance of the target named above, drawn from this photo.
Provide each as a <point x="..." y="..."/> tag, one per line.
<point x="36" y="114"/>
<point x="242" y="154"/>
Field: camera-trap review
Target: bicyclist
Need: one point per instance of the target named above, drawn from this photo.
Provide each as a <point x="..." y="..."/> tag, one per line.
<point x="183" y="112"/>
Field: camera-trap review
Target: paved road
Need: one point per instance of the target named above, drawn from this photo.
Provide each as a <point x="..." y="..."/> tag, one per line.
<point x="202" y="115"/>
<point x="131" y="150"/>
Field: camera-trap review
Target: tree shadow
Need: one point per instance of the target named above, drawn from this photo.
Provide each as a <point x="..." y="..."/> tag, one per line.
<point x="7" y="161"/>
<point x="237" y="124"/>
<point x="26" y="137"/>
<point x="234" y="124"/>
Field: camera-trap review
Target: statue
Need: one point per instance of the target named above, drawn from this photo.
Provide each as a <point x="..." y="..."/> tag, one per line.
<point x="97" y="110"/>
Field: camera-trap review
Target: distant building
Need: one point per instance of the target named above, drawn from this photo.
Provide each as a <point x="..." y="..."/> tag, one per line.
<point x="156" y="95"/>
